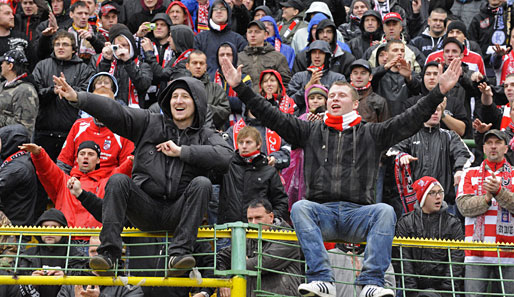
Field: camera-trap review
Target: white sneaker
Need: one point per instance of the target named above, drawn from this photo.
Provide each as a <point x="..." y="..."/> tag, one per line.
<point x="317" y="288"/>
<point x="375" y="291"/>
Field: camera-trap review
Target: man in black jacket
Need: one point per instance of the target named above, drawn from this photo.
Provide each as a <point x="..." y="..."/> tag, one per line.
<point x="340" y="178"/>
<point x="175" y="151"/>
<point x="371" y="28"/>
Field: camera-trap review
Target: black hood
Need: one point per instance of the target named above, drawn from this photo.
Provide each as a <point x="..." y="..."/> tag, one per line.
<point x="325" y="24"/>
<point x="266" y="9"/>
<point x="120" y="29"/>
<point x="234" y="54"/>
<point x="12" y="136"/>
<point x="424" y="90"/>
<point x="183" y="37"/>
<point x="229" y="15"/>
<point x="374" y="13"/>
<point x="324" y="47"/>
<point x="53" y="214"/>
<point x="198" y="93"/>
<point x="163" y="17"/>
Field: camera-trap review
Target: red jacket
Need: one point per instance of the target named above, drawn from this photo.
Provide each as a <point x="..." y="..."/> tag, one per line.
<point x="54" y="181"/>
<point x="474" y="60"/>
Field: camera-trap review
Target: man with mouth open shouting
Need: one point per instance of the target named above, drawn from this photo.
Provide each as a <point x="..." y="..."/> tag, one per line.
<point x="341" y="160"/>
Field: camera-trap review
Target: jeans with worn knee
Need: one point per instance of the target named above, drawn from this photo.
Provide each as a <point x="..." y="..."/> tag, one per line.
<point x="350" y="222"/>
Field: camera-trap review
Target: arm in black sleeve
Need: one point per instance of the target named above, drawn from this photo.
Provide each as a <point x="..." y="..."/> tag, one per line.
<point x="91" y="203"/>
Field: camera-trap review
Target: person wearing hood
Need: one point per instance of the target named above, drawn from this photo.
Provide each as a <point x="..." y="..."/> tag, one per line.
<point x="430" y="219"/>
<point x="340" y="59"/>
<point x="433" y="34"/>
<point x="318" y="72"/>
<point x="274" y="39"/>
<point x="292" y="19"/>
<point x="259" y="55"/>
<point x="179" y="14"/>
<point x="58" y="17"/>
<point x="260" y="12"/>
<point x="371" y="33"/>
<point x="28" y="18"/>
<point x="19" y="101"/>
<point x="220" y="19"/>
<point x="175" y="151"/>
<point x="56" y="116"/>
<point x="303" y="36"/>
<point x="133" y="75"/>
<point x="352" y="27"/>
<point x="216" y="97"/>
<point x="227" y="49"/>
<point x="55" y="257"/>
<point x="18" y="180"/>
<point x="115" y="149"/>
<point x="109" y="15"/>
<point x="150" y="9"/>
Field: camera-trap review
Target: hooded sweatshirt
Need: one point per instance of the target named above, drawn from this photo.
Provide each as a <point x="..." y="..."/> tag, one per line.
<point x="146" y="15"/>
<point x="209" y="41"/>
<point x="276" y="42"/>
<point x="360" y="44"/>
<point x="18" y="180"/>
<point x="352" y="27"/>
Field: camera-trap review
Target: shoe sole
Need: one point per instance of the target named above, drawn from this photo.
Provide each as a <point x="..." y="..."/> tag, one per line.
<point x="307" y="293"/>
<point x="185" y="263"/>
<point x="99" y="264"/>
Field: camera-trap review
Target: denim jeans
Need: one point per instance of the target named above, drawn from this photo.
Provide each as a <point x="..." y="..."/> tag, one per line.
<point x="350" y="222"/>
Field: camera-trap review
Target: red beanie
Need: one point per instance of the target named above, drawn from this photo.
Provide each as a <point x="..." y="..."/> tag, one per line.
<point x="422" y="186"/>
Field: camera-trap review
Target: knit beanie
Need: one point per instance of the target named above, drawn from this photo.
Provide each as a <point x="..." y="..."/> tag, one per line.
<point x="423" y="186"/>
<point x="318" y="89"/>
<point x="459" y="26"/>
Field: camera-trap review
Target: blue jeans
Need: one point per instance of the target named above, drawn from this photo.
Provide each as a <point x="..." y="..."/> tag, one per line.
<point x="350" y="222"/>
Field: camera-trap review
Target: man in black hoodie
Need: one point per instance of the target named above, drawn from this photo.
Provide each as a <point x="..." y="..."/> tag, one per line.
<point x="371" y="33"/>
<point x="175" y="151"/>
<point x="18" y="181"/>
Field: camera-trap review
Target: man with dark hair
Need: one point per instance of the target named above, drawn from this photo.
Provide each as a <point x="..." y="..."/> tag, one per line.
<point x="12" y="39"/>
<point x="109" y="13"/>
<point x="261" y="211"/>
<point x="56" y="116"/>
<point x="18" y="96"/>
<point x="340" y="178"/>
<point x="176" y="142"/>
<point x="433" y="34"/>
<point x="371" y="33"/>
<point x="143" y="17"/>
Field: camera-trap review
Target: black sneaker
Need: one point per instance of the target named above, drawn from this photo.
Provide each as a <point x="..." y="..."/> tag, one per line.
<point x="183" y="263"/>
<point x="100" y="264"/>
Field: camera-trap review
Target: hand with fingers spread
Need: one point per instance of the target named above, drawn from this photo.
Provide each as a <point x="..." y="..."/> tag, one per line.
<point x="90" y="291"/>
<point x="64" y="90"/>
<point x="31" y="148"/>
<point x="481" y="127"/>
<point x="500" y="50"/>
<point x="231" y="74"/>
<point x="405" y="69"/>
<point x="405" y="160"/>
<point x="450" y="77"/>
<point x="169" y="148"/>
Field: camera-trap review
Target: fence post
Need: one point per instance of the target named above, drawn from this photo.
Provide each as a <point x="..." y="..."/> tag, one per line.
<point x="238" y="260"/>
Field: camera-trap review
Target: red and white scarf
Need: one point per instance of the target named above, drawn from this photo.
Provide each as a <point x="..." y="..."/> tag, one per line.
<point x="182" y="57"/>
<point x="12" y="157"/>
<point x="168" y="54"/>
<point x="273" y="141"/>
<point x="133" y="99"/>
<point x="404" y="181"/>
<point x="203" y="17"/>
<point x="341" y="123"/>
<point x="289" y="29"/>
<point x="16" y="79"/>
<point x="367" y="86"/>
<point x="250" y="156"/>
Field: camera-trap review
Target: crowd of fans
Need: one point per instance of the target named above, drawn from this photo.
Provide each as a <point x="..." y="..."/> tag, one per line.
<point x="343" y="119"/>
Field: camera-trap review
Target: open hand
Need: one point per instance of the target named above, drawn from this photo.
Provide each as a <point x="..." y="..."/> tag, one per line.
<point x="450" y="77"/>
<point x="405" y="160"/>
<point x="231" y="74"/>
<point x="31" y="148"/>
<point x="481" y="127"/>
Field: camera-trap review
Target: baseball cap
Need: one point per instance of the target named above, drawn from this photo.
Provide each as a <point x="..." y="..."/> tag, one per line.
<point x="361" y="63"/>
<point x="258" y="24"/>
<point x="392" y="16"/>
<point x="108" y="6"/>
<point x="499" y="134"/>
<point x="293" y="3"/>
<point x="14" y="56"/>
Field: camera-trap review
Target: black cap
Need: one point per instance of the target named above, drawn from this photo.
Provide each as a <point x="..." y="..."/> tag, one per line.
<point x="90" y="145"/>
<point x="259" y="24"/>
<point x="14" y="56"/>
<point x="293" y="3"/>
<point x="109" y="6"/>
<point x="453" y="40"/>
<point x="498" y="134"/>
<point x="360" y="63"/>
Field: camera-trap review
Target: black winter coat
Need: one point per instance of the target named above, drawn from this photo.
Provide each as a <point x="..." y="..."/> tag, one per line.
<point x="162" y="177"/>
<point x="341" y="166"/>
<point x="439" y="225"/>
<point x="245" y="182"/>
<point x="56" y="114"/>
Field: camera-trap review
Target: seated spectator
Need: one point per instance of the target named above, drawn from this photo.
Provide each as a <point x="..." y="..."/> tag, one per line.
<point x="318" y="72"/>
<point x="179" y="14"/>
<point x="19" y="101"/>
<point x="275" y="40"/>
<point x="272" y="88"/>
<point x="259" y="55"/>
<point x="249" y="177"/>
<point x="50" y="259"/>
<point x="134" y="77"/>
<point x="260" y="211"/>
<point x="217" y="100"/>
<point x="371" y="34"/>
<point x="292" y="19"/>
<point x="109" y="13"/>
<point x="261" y="11"/>
<point x="430" y="220"/>
<point x="18" y="180"/>
<point x="115" y="149"/>
<point x="150" y="9"/>
<point x="352" y="28"/>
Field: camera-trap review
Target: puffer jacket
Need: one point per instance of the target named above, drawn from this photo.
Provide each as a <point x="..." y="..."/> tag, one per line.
<point x="19" y="103"/>
<point x="439" y="225"/>
<point x="56" y="114"/>
<point x="361" y="43"/>
<point x="440" y="154"/>
<point x="280" y="284"/>
<point x="337" y="168"/>
<point x="245" y="182"/>
<point x="209" y="41"/>
<point x="18" y="180"/>
<point x="162" y="177"/>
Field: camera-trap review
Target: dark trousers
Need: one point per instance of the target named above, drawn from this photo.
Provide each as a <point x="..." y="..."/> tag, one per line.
<point x="181" y="217"/>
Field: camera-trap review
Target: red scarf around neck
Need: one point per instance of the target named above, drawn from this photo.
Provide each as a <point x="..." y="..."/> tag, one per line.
<point x="341" y="123"/>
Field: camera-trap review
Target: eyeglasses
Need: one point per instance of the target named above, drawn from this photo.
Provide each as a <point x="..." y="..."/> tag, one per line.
<point x="63" y="44"/>
<point x="219" y="9"/>
<point x="435" y="193"/>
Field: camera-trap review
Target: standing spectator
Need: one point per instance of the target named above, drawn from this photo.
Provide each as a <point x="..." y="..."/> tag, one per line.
<point x="220" y="16"/>
<point x="240" y="16"/>
<point x="352" y="28"/>
<point x="18" y="96"/>
<point x="174" y="201"/>
<point x="318" y="72"/>
<point x="371" y="33"/>
<point x="343" y="178"/>
<point x="260" y="55"/>
<point x="260" y="211"/>
<point x="56" y="116"/>
<point x="18" y="180"/>
<point x="433" y="34"/>
<point x="217" y="100"/>
<point x="200" y="11"/>
<point x="179" y="14"/>
<point x="457" y="29"/>
<point x="150" y="9"/>
<point x="28" y="18"/>
<point x="58" y="18"/>
<point x="430" y="219"/>
<point x="12" y="39"/>
<point x="109" y="16"/>
<point x="292" y="19"/>
<point x="134" y="77"/>
<point x="261" y="11"/>
<point x="274" y="39"/>
<point x="485" y="198"/>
